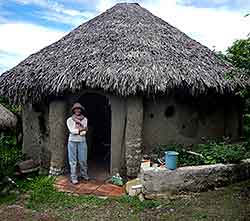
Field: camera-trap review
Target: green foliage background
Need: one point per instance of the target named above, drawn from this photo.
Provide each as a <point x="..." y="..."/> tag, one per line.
<point x="239" y="55"/>
<point x="208" y="153"/>
<point x="10" y="150"/>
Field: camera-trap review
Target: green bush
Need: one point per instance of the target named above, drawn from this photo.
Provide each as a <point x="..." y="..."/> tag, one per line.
<point x="10" y="151"/>
<point x="10" y="154"/>
<point x="222" y="152"/>
<point x="184" y="158"/>
<point x="209" y="153"/>
<point x="247" y="126"/>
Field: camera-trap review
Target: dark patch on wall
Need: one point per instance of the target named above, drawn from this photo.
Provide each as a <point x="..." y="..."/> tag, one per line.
<point x="170" y="111"/>
<point x="42" y="124"/>
<point x="191" y="126"/>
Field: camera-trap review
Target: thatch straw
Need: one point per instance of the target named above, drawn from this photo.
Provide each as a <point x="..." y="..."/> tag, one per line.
<point x="124" y="50"/>
<point x="7" y="118"/>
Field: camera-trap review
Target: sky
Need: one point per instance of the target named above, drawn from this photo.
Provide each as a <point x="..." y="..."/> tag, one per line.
<point x="27" y="26"/>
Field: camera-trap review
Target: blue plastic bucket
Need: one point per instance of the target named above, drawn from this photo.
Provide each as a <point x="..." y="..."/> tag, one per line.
<point x="171" y="159"/>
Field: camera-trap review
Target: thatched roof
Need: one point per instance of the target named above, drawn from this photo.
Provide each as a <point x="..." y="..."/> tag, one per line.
<point x="7" y="118"/>
<point x="124" y="50"/>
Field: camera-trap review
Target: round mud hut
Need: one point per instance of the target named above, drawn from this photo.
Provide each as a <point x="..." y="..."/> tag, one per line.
<point x="142" y="82"/>
<point x="8" y="120"/>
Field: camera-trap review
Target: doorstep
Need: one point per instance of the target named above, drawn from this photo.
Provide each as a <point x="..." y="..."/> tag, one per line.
<point x="91" y="187"/>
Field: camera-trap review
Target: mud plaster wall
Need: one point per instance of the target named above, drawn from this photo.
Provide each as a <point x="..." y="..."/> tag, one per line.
<point x="35" y="133"/>
<point x="45" y="133"/>
<point x="133" y="138"/>
<point x="58" y="134"/>
<point x="118" y="108"/>
<point x="188" y="124"/>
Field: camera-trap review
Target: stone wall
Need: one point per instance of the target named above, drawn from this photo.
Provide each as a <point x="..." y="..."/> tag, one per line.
<point x="168" y="120"/>
<point x="193" y="178"/>
<point x="133" y="137"/>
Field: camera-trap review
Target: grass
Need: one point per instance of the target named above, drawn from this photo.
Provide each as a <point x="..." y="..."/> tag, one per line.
<point x="8" y="199"/>
<point x="43" y="197"/>
<point x="230" y="203"/>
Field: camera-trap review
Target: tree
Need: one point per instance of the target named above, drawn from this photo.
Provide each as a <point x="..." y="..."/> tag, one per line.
<point x="239" y="54"/>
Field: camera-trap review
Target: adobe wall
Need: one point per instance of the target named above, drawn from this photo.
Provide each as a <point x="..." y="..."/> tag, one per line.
<point x="45" y="133"/>
<point x="57" y="135"/>
<point x="118" y="108"/>
<point x="188" y="122"/>
<point x="35" y="133"/>
<point x="133" y="135"/>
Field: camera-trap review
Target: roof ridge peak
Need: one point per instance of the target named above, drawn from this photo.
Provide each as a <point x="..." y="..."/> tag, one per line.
<point x="127" y="3"/>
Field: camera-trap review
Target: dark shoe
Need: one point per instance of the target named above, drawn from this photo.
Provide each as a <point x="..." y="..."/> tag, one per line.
<point x="86" y="178"/>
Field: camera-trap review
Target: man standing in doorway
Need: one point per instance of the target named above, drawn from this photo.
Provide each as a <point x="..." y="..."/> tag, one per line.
<point x="77" y="147"/>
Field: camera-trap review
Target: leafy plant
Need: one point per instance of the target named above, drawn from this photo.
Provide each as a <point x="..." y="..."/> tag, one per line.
<point x="10" y="153"/>
<point x="239" y="54"/>
<point x="208" y="153"/>
<point x="184" y="158"/>
<point x="222" y="153"/>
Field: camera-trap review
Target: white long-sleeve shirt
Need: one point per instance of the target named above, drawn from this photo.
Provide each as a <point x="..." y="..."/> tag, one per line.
<point x="74" y="131"/>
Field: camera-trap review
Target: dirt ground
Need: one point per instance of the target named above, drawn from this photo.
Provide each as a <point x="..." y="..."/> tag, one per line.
<point x="229" y="203"/>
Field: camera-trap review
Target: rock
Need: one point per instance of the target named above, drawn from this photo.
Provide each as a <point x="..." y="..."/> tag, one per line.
<point x="102" y="197"/>
<point x="192" y="178"/>
<point x="133" y="191"/>
<point x="141" y="197"/>
<point x="14" y="206"/>
<point x="159" y="207"/>
<point x="27" y="166"/>
<point x="14" y="191"/>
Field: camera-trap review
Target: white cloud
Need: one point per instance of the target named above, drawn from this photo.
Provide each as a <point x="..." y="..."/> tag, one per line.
<point x="67" y="19"/>
<point x="8" y="60"/>
<point x="57" y="12"/>
<point x="210" y="26"/>
<point x="18" y="40"/>
<point x="215" y="28"/>
<point x="51" y="5"/>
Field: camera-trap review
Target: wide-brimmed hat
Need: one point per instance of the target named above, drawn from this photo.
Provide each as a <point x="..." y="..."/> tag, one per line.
<point x="77" y="105"/>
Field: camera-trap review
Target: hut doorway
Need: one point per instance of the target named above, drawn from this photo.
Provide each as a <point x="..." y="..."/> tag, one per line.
<point x="98" y="112"/>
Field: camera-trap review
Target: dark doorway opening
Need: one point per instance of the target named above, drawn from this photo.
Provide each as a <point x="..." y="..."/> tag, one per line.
<point x="98" y="112"/>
